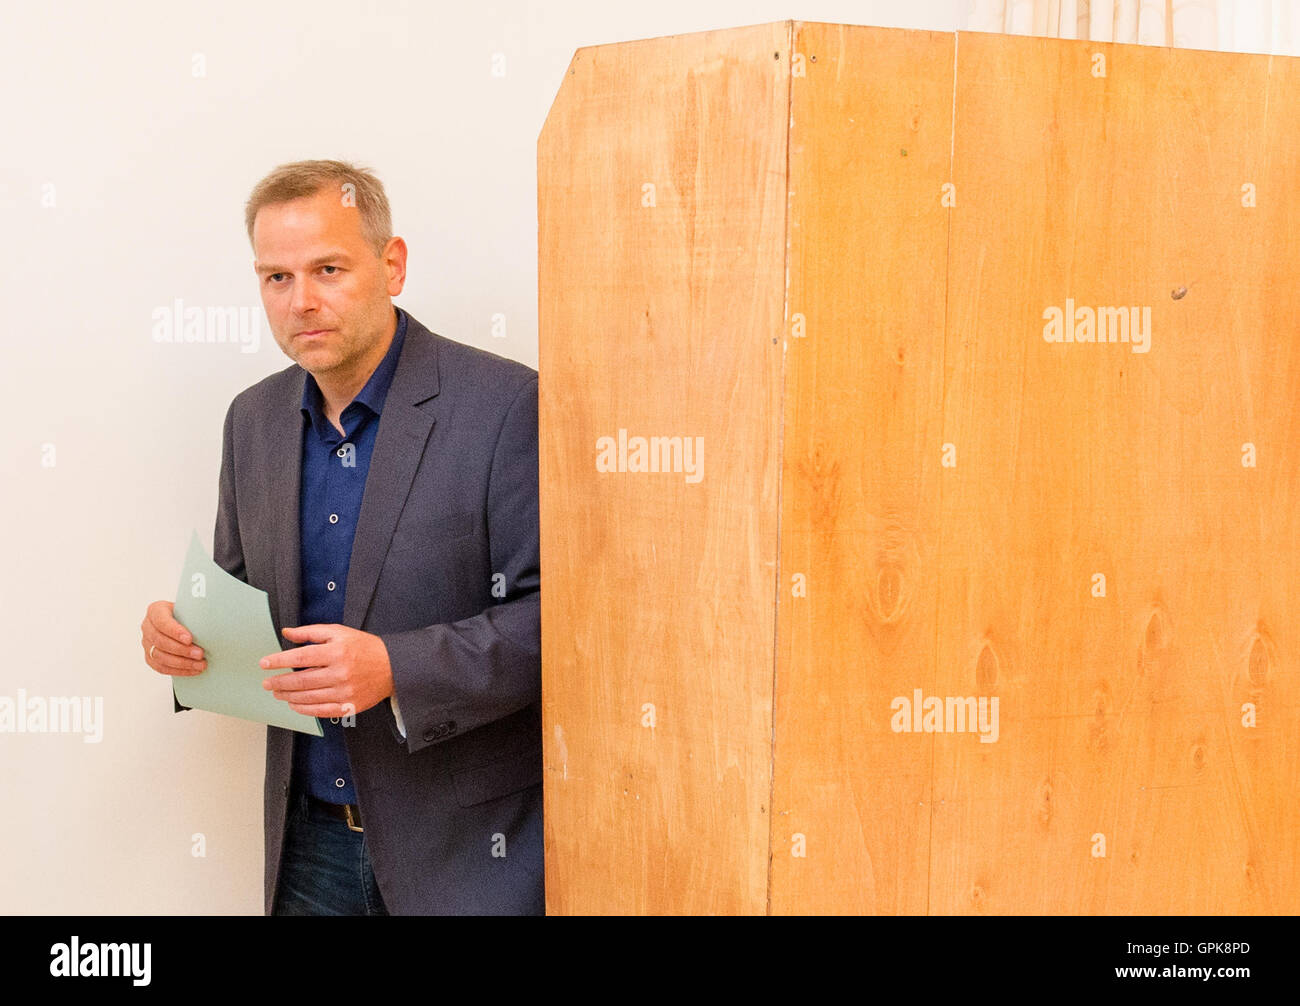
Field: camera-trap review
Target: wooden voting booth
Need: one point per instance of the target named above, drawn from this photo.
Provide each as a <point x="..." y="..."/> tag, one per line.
<point x="872" y="584"/>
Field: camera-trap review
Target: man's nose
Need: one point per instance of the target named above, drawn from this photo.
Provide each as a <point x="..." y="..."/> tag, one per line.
<point x="304" y="296"/>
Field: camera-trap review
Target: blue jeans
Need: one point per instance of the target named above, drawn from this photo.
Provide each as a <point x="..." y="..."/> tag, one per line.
<point x="326" y="866"/>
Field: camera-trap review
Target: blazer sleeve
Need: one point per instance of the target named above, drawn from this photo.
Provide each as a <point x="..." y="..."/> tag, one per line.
<point x="454" y="676"/>
<point x="227" y="552"/>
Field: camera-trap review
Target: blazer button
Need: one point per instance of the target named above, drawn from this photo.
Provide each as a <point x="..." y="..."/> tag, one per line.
<point x="440" y="730"/>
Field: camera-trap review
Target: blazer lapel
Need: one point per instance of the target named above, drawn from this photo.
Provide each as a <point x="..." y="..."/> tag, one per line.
<point x="404" y="430"/>
<point x="284" y="468"/>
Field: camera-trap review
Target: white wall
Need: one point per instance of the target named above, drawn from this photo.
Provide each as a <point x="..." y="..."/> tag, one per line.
<point x="122" y="182"/>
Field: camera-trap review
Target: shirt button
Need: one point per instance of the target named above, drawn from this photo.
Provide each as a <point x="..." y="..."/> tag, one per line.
<point x="339" y="783"/>
<point x="342" y="450"/>
<point x="334" y="518"/>
<point x="330" y="585"/>
<point x="334" y="719"/>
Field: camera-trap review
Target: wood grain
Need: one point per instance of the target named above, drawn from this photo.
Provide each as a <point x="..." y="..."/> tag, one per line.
<point x="842" y="286"/>
<point x="1120" y="715"/>
<point x="661" y="320"/>
<point x="871" y="127"/>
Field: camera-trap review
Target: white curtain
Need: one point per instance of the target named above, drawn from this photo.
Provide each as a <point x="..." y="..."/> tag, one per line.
<point x="1270" y="26"/>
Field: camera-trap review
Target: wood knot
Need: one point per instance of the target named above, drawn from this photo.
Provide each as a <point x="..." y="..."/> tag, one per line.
<point x="1098" y="730"/>
<point x="1098" y="735"/>
<point x="1101" y="701"/>
<point x="1045" y="802"/>
<point x="889" y="592"/>
<point x="1157" y="635"/>
<point x="986" y="669"/>
<point x="1259" y="662"/>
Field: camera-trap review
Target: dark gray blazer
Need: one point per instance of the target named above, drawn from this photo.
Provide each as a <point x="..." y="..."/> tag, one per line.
<point x="452" y="812"/>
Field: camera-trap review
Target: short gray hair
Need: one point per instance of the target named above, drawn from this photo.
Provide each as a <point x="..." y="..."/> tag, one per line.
<point x="307" y="178"/>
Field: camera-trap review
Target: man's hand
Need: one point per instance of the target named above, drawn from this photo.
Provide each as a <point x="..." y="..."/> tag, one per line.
<point x="347" y="671"/>
<point x="168" y="646"/>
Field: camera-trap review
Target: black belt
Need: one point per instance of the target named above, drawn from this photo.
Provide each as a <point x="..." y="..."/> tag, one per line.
<point x="348" y="812"/>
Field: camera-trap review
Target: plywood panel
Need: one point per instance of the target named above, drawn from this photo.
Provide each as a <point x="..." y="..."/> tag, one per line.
<point x="660" y="317"/>
<point x="840" y="284"/>
<point x="1120" y="715"/>
<point x="871" y="127"/>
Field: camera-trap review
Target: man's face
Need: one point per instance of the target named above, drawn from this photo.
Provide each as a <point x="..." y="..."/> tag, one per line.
<point x="326" y="293"/>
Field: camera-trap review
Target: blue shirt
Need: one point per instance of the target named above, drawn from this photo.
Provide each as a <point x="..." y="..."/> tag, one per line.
<point x="334" y="470"/>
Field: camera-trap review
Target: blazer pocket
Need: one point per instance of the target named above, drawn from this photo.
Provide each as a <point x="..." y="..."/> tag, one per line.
<point x="504" y="775"/>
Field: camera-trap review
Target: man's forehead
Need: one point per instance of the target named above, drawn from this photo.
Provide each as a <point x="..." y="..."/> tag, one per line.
<point x="306" y="230"/>
<point x="318" y="214"/>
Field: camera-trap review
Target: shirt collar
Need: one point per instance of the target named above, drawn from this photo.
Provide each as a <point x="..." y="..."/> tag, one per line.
<point x="371" y="396"/>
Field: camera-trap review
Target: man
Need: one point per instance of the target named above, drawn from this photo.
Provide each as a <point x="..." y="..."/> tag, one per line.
<point x="383" y="491"/>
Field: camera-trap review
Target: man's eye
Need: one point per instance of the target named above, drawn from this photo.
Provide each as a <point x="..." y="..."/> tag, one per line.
<point x="331" y="267"/>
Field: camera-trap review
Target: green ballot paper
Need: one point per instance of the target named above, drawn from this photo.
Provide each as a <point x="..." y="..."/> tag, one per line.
<point x="232" y="622"/>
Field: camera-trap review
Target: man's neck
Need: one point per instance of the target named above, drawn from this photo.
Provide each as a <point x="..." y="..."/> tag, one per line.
<point x="338" y="392"/>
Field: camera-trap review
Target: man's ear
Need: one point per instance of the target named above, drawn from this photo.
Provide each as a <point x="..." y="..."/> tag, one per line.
<point x="395" y="262"/>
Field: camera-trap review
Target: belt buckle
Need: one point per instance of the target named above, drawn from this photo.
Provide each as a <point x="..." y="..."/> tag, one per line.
<point x="354" y="824"/>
